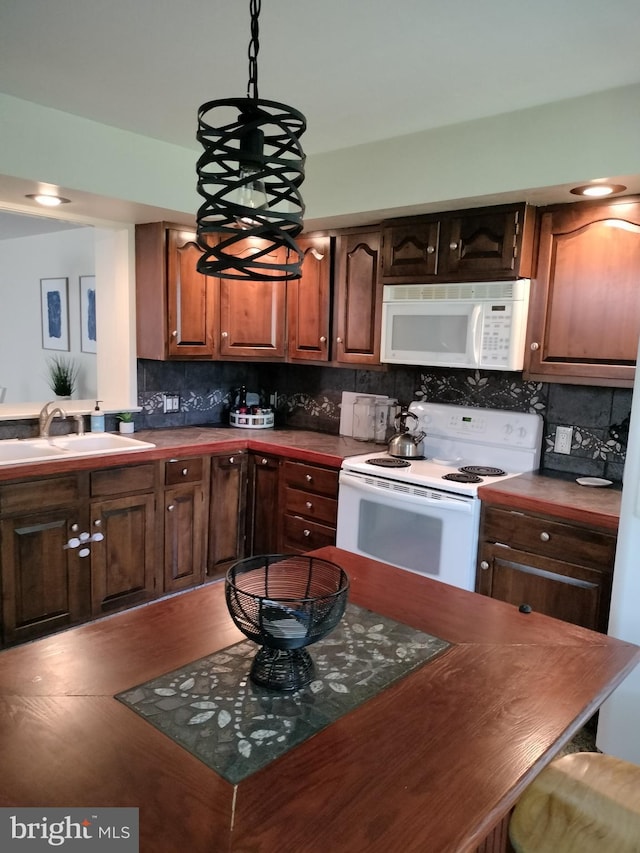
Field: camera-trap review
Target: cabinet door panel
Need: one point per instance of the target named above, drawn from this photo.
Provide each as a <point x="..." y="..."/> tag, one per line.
<point x="183" y="537"/>
<point x="45" y="586"/>
<point x="411" y="250"/>
<point x="264" y="521"/>
<point x="252" y="318"/>
<point x="585" y="315"/>
<point x="191" y="299"/>
<point x="123" y="563"/>
<point x="227" y="512"/>
<point x="482" y="244"/>
<point x="308" y="302"/>
<point x="359" y="299"/>
<point x="571" y="593"/>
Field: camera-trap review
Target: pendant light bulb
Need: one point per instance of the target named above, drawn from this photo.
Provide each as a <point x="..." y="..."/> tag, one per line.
<point x="251" y="195"/>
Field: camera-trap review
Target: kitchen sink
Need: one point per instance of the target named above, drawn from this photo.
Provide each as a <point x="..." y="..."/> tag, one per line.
<point x="14" y="451"/>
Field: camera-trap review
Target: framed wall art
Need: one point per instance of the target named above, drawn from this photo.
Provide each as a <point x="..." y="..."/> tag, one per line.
<point x="88" y="328"/>
<point x="54" y="294"/>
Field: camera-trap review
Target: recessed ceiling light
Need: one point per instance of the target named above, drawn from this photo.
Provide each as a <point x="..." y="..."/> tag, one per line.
<point x="598" y="190"/>
<point x="48" y="200"/>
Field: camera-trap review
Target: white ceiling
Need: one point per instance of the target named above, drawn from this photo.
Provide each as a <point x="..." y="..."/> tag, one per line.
<point x="360" y="70"/>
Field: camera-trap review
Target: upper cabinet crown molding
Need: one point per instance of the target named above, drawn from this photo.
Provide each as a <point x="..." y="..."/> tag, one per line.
<point x="485" y="243"/>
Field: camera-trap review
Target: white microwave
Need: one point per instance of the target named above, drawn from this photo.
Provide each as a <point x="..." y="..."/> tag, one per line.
<point x="473" y="325"/>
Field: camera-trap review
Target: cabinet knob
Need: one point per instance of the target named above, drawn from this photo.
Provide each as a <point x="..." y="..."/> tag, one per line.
<point x="545" y="536"/>
<point x="534" y="346"/>
<point x="232" y="459"/>
<point x="430" y="250"/>
<point x="185" y="471"/>
<point x="484" y="565"/>
<point x="309" y="505"/>
<point x="306" y="532"/>
<point x="75" y="527"/>
<point x="97" y="522"/>
<point x="174" y="334"/>
<point x="264" y="461"/>
<point x="525" y="608"/>
<point x="171" y="507"/>
<point x="453" y="246"/>
<point x="225" y="334"/>
<point x="338" y="340"/>
<point x="309" y="478"/>
<point x="323" y="340"/>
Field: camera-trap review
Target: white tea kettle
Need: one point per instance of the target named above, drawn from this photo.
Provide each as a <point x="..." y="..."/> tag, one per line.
<point x="406" y="444"/>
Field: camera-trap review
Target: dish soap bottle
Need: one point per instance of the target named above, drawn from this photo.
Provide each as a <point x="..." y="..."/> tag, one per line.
<point x="97" y="418"/>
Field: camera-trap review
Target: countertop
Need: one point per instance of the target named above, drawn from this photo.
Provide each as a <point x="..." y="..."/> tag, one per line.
<point x="306" y="445"/>
<point x="433" y="762"/>
<point x="560" y="497"/>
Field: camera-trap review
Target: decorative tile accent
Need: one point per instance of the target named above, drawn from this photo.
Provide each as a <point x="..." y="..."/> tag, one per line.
<point x="485" y="389"/>
<point x="211" y="708"/>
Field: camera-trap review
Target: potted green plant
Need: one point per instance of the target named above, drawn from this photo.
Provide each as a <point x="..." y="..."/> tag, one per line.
<point x="126" y="422"/>
<point x="63" y="376"/>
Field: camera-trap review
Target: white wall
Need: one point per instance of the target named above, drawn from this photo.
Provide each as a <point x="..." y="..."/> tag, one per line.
<point x="23" y="262"/>
<point x="563" y="143"/>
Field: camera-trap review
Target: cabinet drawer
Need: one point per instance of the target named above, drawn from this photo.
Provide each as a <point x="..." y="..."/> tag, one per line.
<point x="117" y="481"/>
<point x="549" y="538"/>
<point x="300" y="534"/>
<point x="309" y="505"/>
<point x="183" y="471"/>
<point x="321" y="481"/>
<point x="33" y="495"/>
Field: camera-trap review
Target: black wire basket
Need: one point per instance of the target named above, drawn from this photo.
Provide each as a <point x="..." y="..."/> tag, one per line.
<point x="284" y="602"/>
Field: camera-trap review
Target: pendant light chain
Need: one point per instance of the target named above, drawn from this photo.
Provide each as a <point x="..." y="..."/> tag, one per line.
<point x="254" y="47"/>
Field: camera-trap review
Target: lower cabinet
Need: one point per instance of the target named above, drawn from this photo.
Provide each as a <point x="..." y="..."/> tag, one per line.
<point x="46" y="586"/>
<point x="184" y="528"/>
<point x="309" y="506"/>
<point x="124" y="569"/>
<point x="227" y="512"/>
<point x="554" y="567"/>
<point x="262" y="502"/>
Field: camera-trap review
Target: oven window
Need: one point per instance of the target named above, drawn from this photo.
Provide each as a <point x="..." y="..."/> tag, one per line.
<point x="425" y="333"/>
<point x="400" y="537"/>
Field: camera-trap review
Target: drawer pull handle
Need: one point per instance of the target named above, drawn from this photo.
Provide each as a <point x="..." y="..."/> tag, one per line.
<point x="525" y="608"/>
<point x="185" y="471"/>
<point x="232" y="459"/>
<point x="545" y="536"/>
<point x="306" y="532"/>
<point x="484" y="565"/>
<point x="309" y="478"/>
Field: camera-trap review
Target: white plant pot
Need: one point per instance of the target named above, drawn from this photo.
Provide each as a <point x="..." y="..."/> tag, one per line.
<point x="126" y="426"/>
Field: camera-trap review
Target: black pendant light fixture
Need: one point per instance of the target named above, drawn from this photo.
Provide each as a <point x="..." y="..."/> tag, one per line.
<point x="249" y="177"/>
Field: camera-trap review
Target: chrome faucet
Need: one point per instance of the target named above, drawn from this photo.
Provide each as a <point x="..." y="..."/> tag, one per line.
<point x="46" y="417"/>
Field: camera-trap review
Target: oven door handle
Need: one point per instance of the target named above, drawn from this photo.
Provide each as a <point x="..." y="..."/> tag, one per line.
<point x="447" y="503"/>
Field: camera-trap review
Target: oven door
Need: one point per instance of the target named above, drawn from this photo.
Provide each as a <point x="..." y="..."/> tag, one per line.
<point x="416" y="528"/>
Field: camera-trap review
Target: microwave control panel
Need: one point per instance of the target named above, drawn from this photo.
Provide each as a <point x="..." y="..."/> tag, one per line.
<point x="497" y="339"/>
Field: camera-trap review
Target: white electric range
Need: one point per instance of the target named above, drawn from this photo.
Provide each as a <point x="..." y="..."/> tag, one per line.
<point x="423" y="514"/>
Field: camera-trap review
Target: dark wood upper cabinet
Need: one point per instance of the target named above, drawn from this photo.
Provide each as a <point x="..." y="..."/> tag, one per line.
<point x="487" y="243"/>
<point x="584" y="318"/>
<point x="309" y="301"/>
<point x="358" y="306"/>
<point x="174" y="302"/>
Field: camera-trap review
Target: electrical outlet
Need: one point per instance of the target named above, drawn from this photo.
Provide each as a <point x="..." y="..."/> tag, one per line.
<point x="564" y="437"/>
<point x="171" y="403"/>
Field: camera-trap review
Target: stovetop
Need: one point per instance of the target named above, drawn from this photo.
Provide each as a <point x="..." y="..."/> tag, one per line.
<point x="507" y="443"/>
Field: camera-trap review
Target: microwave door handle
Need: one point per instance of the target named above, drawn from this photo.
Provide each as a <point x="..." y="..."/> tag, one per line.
<point x="476" y="331"/>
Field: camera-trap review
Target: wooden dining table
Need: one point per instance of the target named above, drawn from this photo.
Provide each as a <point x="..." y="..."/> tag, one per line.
<point x="433" y="763"/>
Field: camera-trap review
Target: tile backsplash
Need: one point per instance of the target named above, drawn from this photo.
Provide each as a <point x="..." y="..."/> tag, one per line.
<point x="309" y="398"/>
